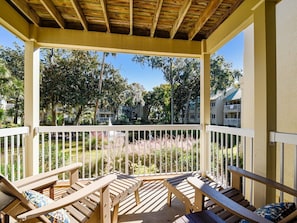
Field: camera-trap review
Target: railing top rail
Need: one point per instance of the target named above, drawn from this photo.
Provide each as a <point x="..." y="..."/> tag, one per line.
<point x="231" y="130"/>
<point x="14" y="131"/>
<point x="289" y="138"/>
<point x="42" y="129"/>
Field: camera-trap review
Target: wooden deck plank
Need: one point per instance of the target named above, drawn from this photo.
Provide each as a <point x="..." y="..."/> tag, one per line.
<point x="152" y="207"/>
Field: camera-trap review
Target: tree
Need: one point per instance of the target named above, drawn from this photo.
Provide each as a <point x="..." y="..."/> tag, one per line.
<point x="169" y="66"/>
<point x="5" y="81"/>
<point x="183" y="76"/>
<point x="102" y="65"/>
<point x="112" y="89"/>
<point x="13" y="60"/>
<point x="69" y="80"/>
<point x="188" y="87"/>
<point x="159" y="104"/>
<point x="222" y="74"/>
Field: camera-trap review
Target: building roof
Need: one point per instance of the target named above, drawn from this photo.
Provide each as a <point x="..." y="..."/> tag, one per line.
<point x="236" y="95"/>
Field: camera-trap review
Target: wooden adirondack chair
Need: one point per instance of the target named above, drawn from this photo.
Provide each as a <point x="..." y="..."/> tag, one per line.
<point x="86" y="203"/>
<point x="232" y="210"/>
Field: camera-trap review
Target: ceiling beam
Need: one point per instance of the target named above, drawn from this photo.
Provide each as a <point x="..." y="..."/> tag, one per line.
<point x="80" y="14"/>
<point x="26" y="10"/>
<point x="241" y="18"/>
<point x="156" y="17"/>
<point x="131" y="17"/>
<point x="104" y="9"/>
<point x="14" y="22"/>
<point x="117" y="43"/>
<point x="181" y="15"/>
<point x="48" y="4"/>
<point x="207" y="13"/>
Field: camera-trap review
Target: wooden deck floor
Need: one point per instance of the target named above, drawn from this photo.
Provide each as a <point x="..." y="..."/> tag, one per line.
<point x="153" y="206"/>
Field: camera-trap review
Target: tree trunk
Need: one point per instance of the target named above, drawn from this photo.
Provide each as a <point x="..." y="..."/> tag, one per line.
<point x="16" y="111"/>
<point x="80" y="110"/>
<point x="54" y="118"/>
<point x="186" y="115"/>
<point x="100" y="87"/>
<point x="171" y="92"/>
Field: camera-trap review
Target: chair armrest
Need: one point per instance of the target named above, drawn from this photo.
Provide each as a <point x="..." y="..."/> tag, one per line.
<point x="72" y="168"/>
<point x="238" y="172"/>
<point x="40" y="185"/>
<point x="202" y="189"/>
<point x="72" y="198"/>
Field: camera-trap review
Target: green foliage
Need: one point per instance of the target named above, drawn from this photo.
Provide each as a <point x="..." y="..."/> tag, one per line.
<point x="55" y="155"/>
<point x="157" y="162"/>
<point x="158" y="105"/>
<point x="12" y="79"/>
<point x="222" y="74"/>
<point x="2" y="116"/>
<point x="183" y="78"/>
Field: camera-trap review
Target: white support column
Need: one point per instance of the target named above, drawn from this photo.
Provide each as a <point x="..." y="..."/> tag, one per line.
<point x="32" y="67"/>
<point x="204" y="109"/>
<point x="265" y="96"/>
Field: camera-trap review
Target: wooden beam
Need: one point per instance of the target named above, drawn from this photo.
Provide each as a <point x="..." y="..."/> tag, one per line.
<point x="181" y="15"/>
<point x="241" y="18"/>
<point x="26" y="10"/>
<point x="48" y="4"/>
<point x="13" y="21"/>
<point x="227" y="13"/>
<point x="117" y="43"/>
<point x="208" y="12"/>
<point x="80" y="14"/>
<point x="131" y="17"/>
<point x="104" y="9"/>
<point x="156" y="17"/>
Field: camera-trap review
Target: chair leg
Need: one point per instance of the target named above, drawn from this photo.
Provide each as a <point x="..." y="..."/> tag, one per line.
<point x="137" y="198"/>
<point x="6" y="219"/>
<point x="169" y="198"/>
<point x="115" y="213"/>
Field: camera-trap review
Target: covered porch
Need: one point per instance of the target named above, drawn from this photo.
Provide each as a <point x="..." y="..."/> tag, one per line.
<point x="259" y="146"/>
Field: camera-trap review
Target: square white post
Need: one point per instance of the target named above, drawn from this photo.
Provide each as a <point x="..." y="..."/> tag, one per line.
<point x="31" y="106"/>
<point x="204" y="109"/>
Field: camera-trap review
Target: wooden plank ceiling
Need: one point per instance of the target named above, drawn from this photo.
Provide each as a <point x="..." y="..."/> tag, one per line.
<point x="171" y="19"/>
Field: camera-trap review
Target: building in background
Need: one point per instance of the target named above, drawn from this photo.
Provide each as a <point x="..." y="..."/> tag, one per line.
<point x="225" y="108"/>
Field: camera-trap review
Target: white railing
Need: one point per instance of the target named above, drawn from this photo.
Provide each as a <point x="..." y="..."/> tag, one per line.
<point x="132" y="149"/>
<point x="233" y="107"/>
<point x="232" y="122"/>
<point x="286" y="142"/>
<point x="12" y="151"/>
<point x="228" y="146"/>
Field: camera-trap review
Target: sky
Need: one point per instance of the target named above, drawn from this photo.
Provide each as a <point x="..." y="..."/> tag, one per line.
<point x="149" y="78"/>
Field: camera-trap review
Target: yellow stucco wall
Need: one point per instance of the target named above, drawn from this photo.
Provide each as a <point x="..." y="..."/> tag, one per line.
<point x="247" y="109"/>
<point x="286" y="26"/>
<point x="287" y="66"/>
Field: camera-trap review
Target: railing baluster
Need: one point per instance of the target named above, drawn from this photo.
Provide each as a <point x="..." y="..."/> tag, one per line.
<point x="83" y="155"/>
<point x="1" y="143"/>
<point x="6" y="156"/>
<point x="282" y="171"/>
<point x="63" y="152"/>
<point x="90" y="154"/>
<point x="18" y="157"/>
<point x="133" y="152"/>
<point x="12" y="158"/>
<point x="102" y="153"/>
<point x="23" y="154"/>
<point x="42" y="153"/>
<point x="295" y="173"/>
